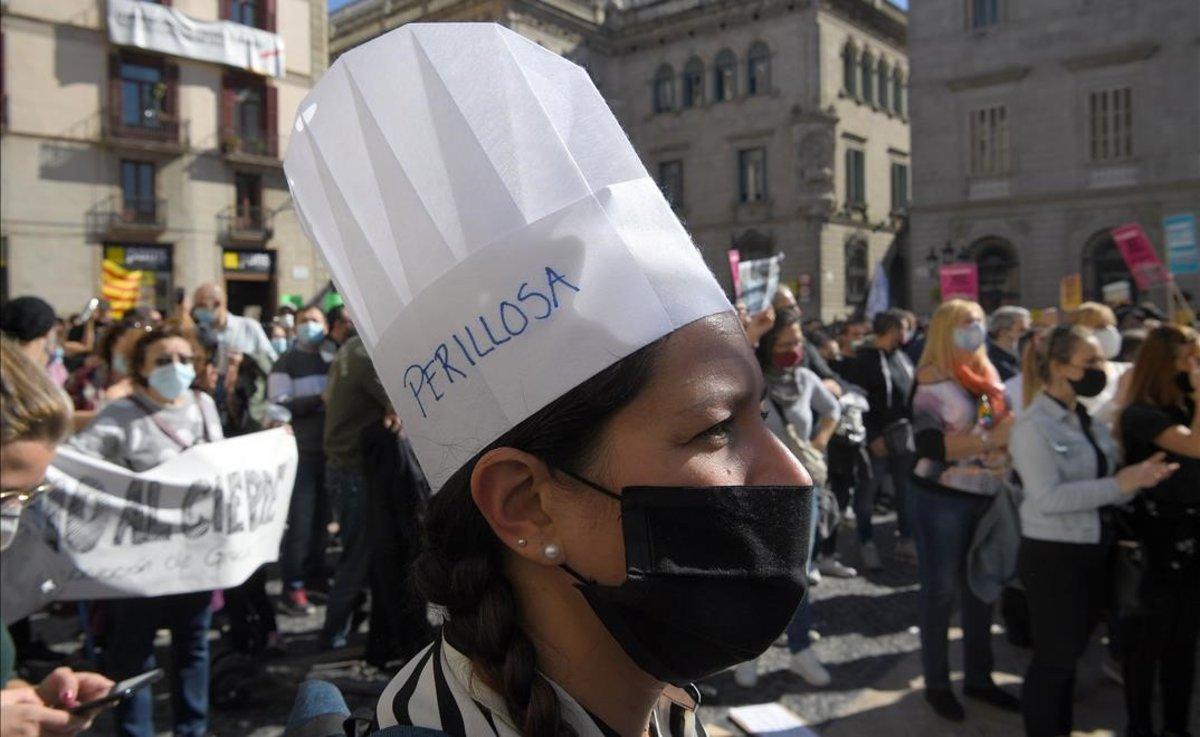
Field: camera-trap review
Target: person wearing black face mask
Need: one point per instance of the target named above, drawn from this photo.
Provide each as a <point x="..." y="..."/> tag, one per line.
<point x="1066" y="463"/>
<point x="1159" y="641"/>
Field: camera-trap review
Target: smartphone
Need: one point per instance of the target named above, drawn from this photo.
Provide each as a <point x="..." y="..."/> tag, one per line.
<point x="120" y="691"/>
<point x="180" y="294"/>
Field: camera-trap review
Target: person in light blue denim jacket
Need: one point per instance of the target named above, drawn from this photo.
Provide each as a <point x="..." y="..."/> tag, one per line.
<point x="1068" y="469"/>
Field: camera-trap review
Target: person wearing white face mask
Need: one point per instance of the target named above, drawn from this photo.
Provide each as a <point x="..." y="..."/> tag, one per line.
<point x="297" y="382"/>
<point x="1101" y="321"/>
<point x="161" y="419"/>
<point x="34" y="416"/>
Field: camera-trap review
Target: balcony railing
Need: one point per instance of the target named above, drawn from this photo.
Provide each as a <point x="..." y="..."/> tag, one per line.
<point x="151" y="130"/>
<point x="121" y="216"/>
<point x="254" y="149"/>
<point x="245" y="224"/>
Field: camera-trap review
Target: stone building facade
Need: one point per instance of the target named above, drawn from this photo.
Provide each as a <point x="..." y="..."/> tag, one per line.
<point x="1038" y="127"/>
<point x="162" y="162"/>
<point x="753" y="117"/>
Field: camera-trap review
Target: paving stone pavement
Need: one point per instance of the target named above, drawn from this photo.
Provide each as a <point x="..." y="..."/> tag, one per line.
<point x="868" y="640"/>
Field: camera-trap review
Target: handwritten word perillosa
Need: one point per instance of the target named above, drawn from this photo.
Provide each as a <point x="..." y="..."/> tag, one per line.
<point x="480" y="337"/>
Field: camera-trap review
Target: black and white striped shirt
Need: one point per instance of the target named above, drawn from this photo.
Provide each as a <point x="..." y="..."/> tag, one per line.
<point x="437" y="690"/>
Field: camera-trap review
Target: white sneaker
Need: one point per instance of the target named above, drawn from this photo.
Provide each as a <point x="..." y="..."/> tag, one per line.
<point x="814" y="574"/>
<point x="746" y="674"/>
<point x="806" y="665"/>
<point x="870" y="557"/>
<point x="905" y="550"/>
<point x="830" y="566"/>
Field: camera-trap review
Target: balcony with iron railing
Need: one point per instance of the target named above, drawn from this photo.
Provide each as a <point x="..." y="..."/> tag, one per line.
<point x="152" y="130"/>
<point x="245" y="225"/>
<point x="123" y="217"/>
<point x="258" y="149"/>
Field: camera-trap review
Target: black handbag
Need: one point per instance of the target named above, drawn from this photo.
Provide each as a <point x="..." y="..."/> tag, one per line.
<point x="899" y="438"/>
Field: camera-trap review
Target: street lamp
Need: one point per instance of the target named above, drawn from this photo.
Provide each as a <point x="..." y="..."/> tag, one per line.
<point x="931" y="262"/>
<point x="947" y="254"/>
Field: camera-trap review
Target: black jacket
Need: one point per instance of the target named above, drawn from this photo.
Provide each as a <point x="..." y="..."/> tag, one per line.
<point x="887" y="395"/>
<point x="1006" y="363"/>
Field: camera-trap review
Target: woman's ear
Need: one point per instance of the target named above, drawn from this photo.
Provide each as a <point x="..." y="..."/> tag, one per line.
<point x="507" y="485"/>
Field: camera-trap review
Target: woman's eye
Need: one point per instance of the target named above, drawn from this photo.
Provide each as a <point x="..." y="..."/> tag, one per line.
<point x="719" y="431"/>
<point x="764" y="414"/>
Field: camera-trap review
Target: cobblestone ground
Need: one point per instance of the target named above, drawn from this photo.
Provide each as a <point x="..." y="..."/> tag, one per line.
<point x="867" y="640"/>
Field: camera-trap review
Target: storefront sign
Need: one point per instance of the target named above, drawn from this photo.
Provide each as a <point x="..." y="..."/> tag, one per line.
<point x="1140" y="256"/>
<point x="148" y="25"/>
<point x="960" y="281"/>
<point x="1182" y="255"/>
<point x="248" y="262"/>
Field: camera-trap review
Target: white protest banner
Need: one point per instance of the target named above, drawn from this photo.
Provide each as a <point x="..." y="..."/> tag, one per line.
<point x="159" y="28"/>
<point x="203" y="520"/>
<point x="758" y="280"/>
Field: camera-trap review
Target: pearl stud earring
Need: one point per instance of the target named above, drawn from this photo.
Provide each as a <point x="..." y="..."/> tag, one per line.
<point x="551" y="551"/>
<point x="522" y="542"/>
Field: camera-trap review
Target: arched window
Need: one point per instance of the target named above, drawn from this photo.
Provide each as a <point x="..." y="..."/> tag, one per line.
<point x="882" y="74"/>
<point x="866" y="83"/>
<point x="664" y="89"/>
<point x="999" y="272"/>
<point x="725" y="76"/>
<point x="693" y="83"/>
<point x="897" y="92"/>
<point x="1103" y="264"/>
<point x="758" y="69"/>
<point x="850" y="70"/>
<point x="857" y="272"/>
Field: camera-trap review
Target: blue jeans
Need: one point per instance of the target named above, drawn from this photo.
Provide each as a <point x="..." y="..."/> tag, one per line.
<point x="349" y="488"/>
<point x="302" y="550"/>
<point x="944" y="523"/>
<point x="864" y="496"/>
<point x="797" y="629"/>
<point x="130" y="651"/>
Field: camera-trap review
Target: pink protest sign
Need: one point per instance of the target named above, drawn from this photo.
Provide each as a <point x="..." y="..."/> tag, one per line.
<point x="960" y="281"/>
<point x="735" y="257"/>
<point x="1140" y="256"/>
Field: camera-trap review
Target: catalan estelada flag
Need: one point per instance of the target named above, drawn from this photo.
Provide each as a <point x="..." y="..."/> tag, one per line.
<point x="119" y="286"/>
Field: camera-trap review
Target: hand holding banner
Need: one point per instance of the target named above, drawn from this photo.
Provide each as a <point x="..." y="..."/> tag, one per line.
<point x="203" y="520"/>
<point x="1140" y="256"/>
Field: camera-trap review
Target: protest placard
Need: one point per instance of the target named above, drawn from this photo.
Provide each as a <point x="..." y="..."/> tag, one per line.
<point x="960" y="281"/>
<point x="759" y="279"/>
<point x="1140" y="256"/>
<point x="1182" y="255"/>
<point x="203" y="520"/>
<point x="1070" y="292"/>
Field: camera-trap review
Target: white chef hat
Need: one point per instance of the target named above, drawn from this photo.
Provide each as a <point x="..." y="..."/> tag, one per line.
<point x="496" y="237"/>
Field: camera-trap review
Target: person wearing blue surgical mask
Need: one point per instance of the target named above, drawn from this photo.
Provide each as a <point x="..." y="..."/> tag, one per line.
<point x="297" y="383"/>
<point x="163" y="417"/>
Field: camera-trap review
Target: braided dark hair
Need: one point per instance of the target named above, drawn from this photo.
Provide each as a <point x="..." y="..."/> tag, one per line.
<point x="462" y="564"/>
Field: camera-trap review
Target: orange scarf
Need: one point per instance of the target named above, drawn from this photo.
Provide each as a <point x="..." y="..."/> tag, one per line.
<point x="982" y="380"/>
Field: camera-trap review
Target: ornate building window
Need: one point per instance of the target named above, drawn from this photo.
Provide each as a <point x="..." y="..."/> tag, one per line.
<point x="856" y="178"/>
<point x="982" y="13"/>
<point x="758" y="69"/>
<point x="988" y="135"/>
<point x="866" y="84"/>
<point x="693" y="83"/>
<point x="664" y="89"/>
<point x="670" y="181"/>
<point x="1110" y="124"/>
<point x="999" y="273"/>
<point x="898" y="91"/>
<point x="850" y="70"/>
<point x="857" y="272"/>
<point x="882" y="92"/>
<point x="725" y="76"/>
<point x="752" y="175"/>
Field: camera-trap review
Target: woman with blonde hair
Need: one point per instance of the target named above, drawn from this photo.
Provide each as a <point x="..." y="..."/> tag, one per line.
<point x="1101" y="322"/>
<point x="961" y="423"/>
<point x="35" y="416"/>
<point x="1162" y="417"/>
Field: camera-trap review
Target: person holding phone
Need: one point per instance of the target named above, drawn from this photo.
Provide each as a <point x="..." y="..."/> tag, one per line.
<point x="162" y="418"/>
<point x="34" y="416"/>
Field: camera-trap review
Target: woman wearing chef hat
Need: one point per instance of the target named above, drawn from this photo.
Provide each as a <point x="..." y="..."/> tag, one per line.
<point x="612" y="520"/>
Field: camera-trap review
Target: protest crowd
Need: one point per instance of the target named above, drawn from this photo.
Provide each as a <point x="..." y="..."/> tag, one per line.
<point x="1043" y="467"/>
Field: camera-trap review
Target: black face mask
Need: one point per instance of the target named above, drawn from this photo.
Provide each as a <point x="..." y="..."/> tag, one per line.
<point x="714" y="574"/>
<point x="1183" y="380"/>
<point x="1090" y="384"/>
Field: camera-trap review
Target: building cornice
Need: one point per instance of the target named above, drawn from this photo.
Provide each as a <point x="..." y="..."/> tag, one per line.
<point x="989" y="79"/>
<point x="1044" y="198"/>
<point x="1112" y="57"/>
